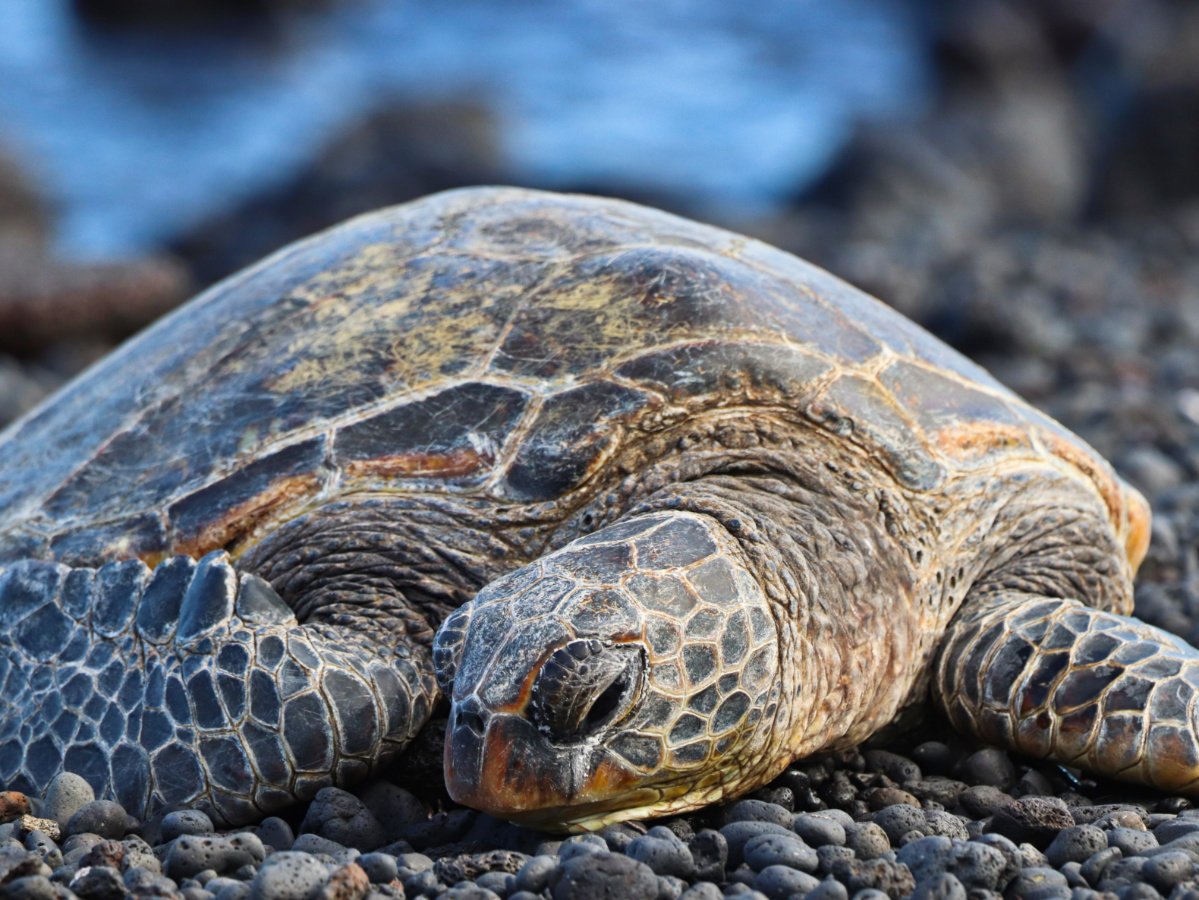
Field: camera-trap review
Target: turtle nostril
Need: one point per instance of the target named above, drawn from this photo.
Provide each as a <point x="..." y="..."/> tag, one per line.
<point x="470" y="720"/>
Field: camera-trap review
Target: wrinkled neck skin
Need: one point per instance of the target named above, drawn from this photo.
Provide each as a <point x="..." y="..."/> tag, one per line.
<point x="839" y="557"/>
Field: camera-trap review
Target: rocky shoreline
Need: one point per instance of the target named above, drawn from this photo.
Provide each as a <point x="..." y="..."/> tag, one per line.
<point x="935" y="822"/>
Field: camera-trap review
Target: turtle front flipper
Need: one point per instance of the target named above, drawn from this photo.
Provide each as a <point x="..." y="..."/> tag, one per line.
<point x="191" y="684"/>
<point x="1054" y="678"/>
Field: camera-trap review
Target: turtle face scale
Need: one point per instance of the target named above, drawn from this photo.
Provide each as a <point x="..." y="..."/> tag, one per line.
<point x="623" y="675"/>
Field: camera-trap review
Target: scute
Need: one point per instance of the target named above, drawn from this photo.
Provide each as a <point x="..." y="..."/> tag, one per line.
<point x="509" y="328"/>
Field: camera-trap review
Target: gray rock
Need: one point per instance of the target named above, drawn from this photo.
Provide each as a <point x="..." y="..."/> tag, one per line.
<point x="603" y="875"/>
<point x="819" y="830"/>
<point x="710" y="853"/>
<point x="768" y="850"/>
<point x="867" y="840"/>
<point x="380" y="868"/>
<point x="339" y="816"/>
<point x="665" y="856"/>
<point x="288" y="875"/>
<point x="703" y="890"/>
<point x="192" y="854"/>
<point x="534" y="875"/>
<point x="898" y="820"/>
<point x="1133" y="842"/>
<point x="185" y="822"/>
<point x="781" y="882"/>
<point x="939" y="887"/>
<point x="66" y="795"/>
<point x="1078" y="843"/>
<point x="107" y="818"/>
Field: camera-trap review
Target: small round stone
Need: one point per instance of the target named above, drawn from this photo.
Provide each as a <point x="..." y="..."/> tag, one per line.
<point x="1078" y="843"/>
<point x="603" y="876"/>
<point x="992" y="767"/>
<point x="664" y="856"/>
<point x="758" y="811"/>
<point x="288" y="876"/>
<point x="186" y="821"/>
<point x="703" y="890"/>
<point x="710" y="853"/>
<point x="670" y="888"/>
<point x="940" y="887"/>
<point x="31" y="887"/>
<point x="818" y="831"/>
<point x="768" y="850"/>
<point x="1166" y="870"/>
<point x="534" y="875"/>
<point x="829" y="889"/>
<point x="380" y="868"/>
<point x="898" y="820"/>
<point x="867" y="840"/>
<point x="66" y="795"/>
<point x="1033" y="880"/>
<point x="276" y="833"/>
<point x="339" y="816"/>
<point x="107" y="818"/>
<point x="782" y="882"/>
<point x="738" y="834"/>
<point x="937" y="821"/>
<point x="982" y="800"/>
<point x="1131" y="841"/>
<point x="1032" y="820"/>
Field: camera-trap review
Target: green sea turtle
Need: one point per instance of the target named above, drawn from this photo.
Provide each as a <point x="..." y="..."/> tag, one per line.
<point x="684" y="507"/>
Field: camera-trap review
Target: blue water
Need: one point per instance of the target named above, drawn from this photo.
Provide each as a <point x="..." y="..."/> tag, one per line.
<point x="733" y="105"/>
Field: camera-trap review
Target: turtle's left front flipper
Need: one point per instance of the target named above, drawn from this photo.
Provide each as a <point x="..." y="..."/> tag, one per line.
<point x="192" y="684"/>
<point x="1052" y="677"/>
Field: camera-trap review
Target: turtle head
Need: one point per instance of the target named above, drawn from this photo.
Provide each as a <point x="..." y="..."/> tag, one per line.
<point x="629" y="674"/>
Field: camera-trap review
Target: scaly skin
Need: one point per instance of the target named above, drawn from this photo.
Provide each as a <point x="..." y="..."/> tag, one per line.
<point x="189" y="685"/>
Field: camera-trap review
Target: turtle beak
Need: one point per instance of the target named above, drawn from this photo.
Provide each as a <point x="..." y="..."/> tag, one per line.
<point x="501" y="764"/>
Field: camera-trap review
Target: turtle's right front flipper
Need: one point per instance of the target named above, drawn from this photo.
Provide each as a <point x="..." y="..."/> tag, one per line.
<point x="191" y="684"/>
<point x="1051" y="677"/>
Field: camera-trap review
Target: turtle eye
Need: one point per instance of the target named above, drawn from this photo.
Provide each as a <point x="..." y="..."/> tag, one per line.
<point x="447" y="647"/>
<point x="585" y="686"/>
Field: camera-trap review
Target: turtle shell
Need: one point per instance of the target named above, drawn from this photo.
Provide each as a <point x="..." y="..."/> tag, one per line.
<point x="493" y="341"/>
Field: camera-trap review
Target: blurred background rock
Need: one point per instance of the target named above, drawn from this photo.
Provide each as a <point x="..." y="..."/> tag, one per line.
<point x="1019" y="176"/>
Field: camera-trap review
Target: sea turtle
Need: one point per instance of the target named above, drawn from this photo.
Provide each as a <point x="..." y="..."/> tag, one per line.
<point x="684" y="507"/>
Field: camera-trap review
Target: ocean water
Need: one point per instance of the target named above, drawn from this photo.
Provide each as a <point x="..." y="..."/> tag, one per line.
<point x="137" y="136"/>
